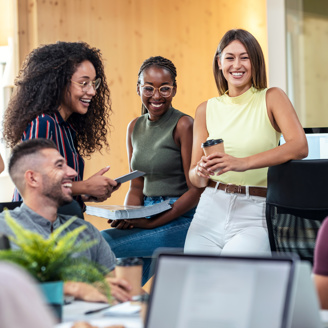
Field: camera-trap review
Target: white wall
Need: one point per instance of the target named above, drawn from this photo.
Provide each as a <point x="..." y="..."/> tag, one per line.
<point x="276" y="24"/>
<point x="7" y="76"/>
<point x="6" y="188"/>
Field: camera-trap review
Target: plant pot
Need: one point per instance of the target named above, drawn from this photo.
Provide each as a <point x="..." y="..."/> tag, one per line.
<point x="54" y="294"/>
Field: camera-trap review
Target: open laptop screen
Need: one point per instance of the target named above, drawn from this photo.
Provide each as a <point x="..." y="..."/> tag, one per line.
<point x="317" y="139"/>
<point x="192" y="291"/>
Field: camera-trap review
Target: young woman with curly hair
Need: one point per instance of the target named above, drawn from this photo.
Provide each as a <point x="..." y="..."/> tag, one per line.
<point x="62" y="95"/>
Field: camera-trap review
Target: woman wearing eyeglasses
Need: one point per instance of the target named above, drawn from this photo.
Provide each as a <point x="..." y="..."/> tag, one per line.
<point x="62" y="95"/>
<point x="159" y="143"/>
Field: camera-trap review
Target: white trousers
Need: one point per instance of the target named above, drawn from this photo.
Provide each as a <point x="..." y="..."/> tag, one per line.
<point x="229" y="224"/>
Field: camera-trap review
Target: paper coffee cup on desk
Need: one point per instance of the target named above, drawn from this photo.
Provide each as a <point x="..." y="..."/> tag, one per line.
<point x="144" y="306"/>
<point x="213" y="145"/>
<point x="130" y="269"/>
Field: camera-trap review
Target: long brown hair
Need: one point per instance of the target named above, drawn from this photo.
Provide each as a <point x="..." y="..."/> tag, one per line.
<point x="254" y="50"/>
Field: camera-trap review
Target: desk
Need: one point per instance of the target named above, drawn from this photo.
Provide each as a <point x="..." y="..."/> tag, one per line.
<point x="324" y="317"/>
<point x="76" y="312"/>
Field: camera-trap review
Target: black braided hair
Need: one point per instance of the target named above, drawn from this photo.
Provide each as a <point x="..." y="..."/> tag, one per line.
<point x="160" y="62"/>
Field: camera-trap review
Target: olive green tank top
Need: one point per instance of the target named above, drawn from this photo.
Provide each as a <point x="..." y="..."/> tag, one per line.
<point x="156" y="153"/>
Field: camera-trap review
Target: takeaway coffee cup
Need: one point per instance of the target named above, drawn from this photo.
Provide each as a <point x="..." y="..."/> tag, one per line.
<point x="213" y="145"/>
<point x="130" y="269"/>
<point x="144" y="298"/>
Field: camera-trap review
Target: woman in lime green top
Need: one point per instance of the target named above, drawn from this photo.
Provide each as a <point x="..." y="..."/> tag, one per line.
<point x="230" y="217"/>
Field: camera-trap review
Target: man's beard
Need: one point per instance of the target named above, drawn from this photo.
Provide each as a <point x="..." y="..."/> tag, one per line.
<point x="55" y="193"/>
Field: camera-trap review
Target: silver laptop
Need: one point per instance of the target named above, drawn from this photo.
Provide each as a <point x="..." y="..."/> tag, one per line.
<point x="192" y="291"/>
<point x="317" y="139"/>
<point x="304" y="303"/>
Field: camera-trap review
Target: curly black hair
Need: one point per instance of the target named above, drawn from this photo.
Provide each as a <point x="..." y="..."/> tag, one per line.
<point x="160" y="62"/>
<point x="42" y="83"/>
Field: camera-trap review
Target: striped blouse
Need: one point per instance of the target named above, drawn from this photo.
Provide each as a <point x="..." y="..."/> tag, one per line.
<point x="53" y="127"/>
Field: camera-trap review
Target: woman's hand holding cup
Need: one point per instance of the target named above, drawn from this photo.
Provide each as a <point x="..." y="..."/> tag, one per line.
<point x="210" y="147"/>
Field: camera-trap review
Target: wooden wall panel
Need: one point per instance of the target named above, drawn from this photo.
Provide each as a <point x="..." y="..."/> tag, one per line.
<point x="128" y="32"/>
<point x="27" y="27"/>
<point x="6" y="19"/>
<point x="314" y="69"/>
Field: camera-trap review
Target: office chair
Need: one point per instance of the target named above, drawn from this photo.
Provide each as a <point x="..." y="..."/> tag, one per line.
<point x="70" y="209"/>
<point x="9" y="205"/>
<point x="4" y="242"/>
<point x="296" y="205"/>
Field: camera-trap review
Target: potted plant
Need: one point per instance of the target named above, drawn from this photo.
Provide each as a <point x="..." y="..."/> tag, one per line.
<point x="51" y="261"/>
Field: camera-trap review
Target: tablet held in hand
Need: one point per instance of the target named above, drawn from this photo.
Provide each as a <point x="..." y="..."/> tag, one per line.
<point x="130" y="176"/>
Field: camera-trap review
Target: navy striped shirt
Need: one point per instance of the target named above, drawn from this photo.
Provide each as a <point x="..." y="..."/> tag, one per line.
<point x="53" y="127"/>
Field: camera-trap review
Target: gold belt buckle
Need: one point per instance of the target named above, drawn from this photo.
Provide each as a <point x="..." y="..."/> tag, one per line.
<point x="233" y="190"/>
<point x="228" y="190"/>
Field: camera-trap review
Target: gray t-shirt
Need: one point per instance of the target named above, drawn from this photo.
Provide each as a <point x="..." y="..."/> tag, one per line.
<point x="99" y="253"/>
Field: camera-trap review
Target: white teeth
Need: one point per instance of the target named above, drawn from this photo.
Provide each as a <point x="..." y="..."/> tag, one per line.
<point x="85" y="100"/>
<point x="156" y="105"/>
<point x="67" y="185"/>
<point x="237" y="74"/>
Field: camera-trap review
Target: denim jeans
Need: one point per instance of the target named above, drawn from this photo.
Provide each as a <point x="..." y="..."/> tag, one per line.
<point x="143" y="242"/>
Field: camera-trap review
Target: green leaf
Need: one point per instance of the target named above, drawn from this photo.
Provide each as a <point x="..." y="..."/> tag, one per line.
<point x="55" y="258"/>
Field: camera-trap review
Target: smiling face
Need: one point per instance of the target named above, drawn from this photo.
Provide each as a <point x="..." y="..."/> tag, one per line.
<point x="57" y="177"/>
<point x="76" y="100"/>
<point x="236" y="68"/>
<point x="157" y="105"/>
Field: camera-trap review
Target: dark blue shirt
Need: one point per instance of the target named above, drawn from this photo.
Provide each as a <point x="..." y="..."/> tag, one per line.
<point x="53" y="127"/>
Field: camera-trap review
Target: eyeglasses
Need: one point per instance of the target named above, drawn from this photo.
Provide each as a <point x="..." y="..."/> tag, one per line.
<point x="85" y="86"/>
<point x="165" y="90"/>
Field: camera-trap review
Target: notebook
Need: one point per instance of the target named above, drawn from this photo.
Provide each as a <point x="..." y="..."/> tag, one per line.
<point x="317" y="139"/>
<point x="123" y="212"/>
<point x="192" y="291"/>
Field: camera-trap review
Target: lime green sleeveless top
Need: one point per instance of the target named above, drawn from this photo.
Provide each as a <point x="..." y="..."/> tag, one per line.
<point x="243" y="123"/>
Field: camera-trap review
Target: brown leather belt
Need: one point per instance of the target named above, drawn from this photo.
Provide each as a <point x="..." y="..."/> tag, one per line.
<point x="234" y="189"/>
